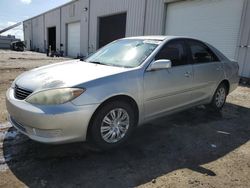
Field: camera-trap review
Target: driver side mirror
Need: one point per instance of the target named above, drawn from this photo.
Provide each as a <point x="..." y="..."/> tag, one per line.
<point x="160" y="64"/>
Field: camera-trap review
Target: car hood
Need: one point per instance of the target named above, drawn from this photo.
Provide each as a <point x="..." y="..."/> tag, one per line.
<point x="65" y="74"/>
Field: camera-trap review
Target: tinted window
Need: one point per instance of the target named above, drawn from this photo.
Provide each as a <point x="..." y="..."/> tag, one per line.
<point x="201" y="53"/>
<point x="173" y="51"/>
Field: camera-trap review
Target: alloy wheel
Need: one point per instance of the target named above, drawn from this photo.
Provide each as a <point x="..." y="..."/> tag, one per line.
<point x="220" y="97"/>
<point x="115" y="125"/>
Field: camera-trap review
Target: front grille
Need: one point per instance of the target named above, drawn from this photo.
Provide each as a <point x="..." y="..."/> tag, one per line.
<point x="21" y="93"/>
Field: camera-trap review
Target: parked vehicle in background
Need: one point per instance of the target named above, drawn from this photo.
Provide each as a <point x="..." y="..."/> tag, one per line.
<point x="126" y="83"/>
<point x="17" y="46"/>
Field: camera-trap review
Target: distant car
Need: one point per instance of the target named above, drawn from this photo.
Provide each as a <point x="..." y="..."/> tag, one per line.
<point x="126" y="83"/>
<point x="17" y="46"/>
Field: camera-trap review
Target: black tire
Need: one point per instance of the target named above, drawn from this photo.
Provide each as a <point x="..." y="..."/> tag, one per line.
<point x="215" y="105"/>
<point x="95" y="130"/>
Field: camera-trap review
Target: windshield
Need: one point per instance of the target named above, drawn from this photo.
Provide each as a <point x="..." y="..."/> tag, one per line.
<point x="124" y="53"/>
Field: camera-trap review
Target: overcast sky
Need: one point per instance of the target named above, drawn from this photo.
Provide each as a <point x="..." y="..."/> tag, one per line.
<point x="13" y="11"/>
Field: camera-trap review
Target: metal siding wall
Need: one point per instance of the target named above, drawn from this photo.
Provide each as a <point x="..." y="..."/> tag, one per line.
<point x="37" y="33"/>
<point x="52" y="19"/>
<point x="155" y="17"/>
<point x="27" y="33"/>
<point x="139" y="22"/>
<point x="66" y="19"/>
<point x="80" y="15"/>
<point x="135" y="17"/>
<point x="84" y="27"/>
<point x="243" y="55"/>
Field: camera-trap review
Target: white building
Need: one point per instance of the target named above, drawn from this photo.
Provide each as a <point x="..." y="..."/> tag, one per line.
<point x="80" y="27"/>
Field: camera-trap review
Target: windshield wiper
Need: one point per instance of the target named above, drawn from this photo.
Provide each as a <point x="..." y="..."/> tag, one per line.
<point x="96" y="62"/>
<point x="123" y="66"/>
<point x="112" y="65"/>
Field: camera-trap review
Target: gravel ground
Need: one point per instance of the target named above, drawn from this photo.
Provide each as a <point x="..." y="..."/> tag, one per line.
<point x="194" y="148"/>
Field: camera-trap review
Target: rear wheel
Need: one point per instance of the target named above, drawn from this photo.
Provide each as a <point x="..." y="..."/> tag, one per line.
<point x="112" y="125"/>
<point x="219" y="97"/>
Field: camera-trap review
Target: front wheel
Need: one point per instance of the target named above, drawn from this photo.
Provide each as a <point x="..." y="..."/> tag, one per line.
<point x="219" y="97"/>
<point x="112" y="125"/>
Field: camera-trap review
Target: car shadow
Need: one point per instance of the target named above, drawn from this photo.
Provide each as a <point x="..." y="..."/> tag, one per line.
<point x="185" y="140"/>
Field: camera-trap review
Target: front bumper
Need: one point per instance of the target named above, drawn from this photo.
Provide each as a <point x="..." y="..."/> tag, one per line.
<point x="49" y="123"/>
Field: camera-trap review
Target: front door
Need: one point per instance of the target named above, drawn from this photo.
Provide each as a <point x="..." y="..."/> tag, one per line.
<point x="168" y="89"/>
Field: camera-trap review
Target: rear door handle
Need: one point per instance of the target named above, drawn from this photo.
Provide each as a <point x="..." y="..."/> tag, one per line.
<point x="187" y="74"/>
<point x="219" y="68"/>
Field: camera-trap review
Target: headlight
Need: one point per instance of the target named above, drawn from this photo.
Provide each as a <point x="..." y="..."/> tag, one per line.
<point x="54" y="96"/>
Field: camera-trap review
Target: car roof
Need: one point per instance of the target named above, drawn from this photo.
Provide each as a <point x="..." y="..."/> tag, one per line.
<point x="159" y="37"/>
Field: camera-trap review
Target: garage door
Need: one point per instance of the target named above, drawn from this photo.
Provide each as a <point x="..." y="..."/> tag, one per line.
<point x="214" y="21"/>
<point x="73" y="47"/>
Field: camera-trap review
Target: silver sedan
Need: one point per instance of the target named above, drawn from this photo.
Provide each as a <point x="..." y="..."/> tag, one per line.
<point x="125" y="84"/>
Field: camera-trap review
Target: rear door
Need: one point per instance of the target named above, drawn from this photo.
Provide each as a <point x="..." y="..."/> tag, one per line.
<point x="207" y="70"/>
<point x="168" y="89"/>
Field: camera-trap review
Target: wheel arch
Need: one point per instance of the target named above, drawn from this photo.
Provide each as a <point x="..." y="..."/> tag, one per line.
<point x="227" y="84"/>
<point x="121" y="97"/>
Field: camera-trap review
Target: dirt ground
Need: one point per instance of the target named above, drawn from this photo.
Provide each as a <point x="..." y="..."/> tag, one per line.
<point x="14" y="63"/>
<point x="194" y="148"/>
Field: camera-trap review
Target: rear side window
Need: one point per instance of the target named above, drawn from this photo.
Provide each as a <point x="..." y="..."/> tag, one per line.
<point x="174" y="51"/>
<point x="201" y="53"/>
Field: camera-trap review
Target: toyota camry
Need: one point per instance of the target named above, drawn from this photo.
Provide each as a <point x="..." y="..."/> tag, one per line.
<point x="123" y="85"/>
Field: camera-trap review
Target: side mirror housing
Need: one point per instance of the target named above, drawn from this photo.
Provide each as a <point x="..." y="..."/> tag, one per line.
<point x="160" y="64"/>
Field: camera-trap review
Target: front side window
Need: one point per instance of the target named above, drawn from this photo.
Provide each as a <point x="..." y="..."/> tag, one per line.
<point x="124" y="53"/>
<point x="174" y="51"/>
<point x="201" y="53"/>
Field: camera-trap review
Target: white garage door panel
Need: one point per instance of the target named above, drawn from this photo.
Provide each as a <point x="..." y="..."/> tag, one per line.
<point x="214" y="21"/>
<point x="73" y="39"/>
